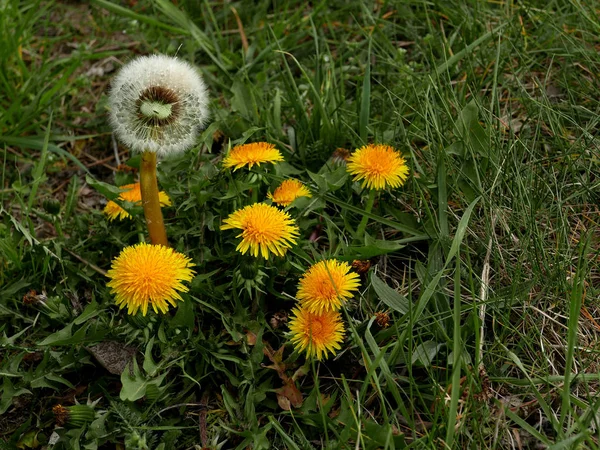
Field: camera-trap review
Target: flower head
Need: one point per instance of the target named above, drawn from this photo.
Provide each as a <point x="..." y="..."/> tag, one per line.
<point x="250" y="154"/>
<point x="157" y="104"/>
<point x="340" y="156"/>
<point x="132" y="193"/>
<point x="288" y="191"/>
<point x="146" y="274"/>
<point x="265" y="228"/>
<point x="326" y="286"/>
<point x="316" y="334"/>
<point x="379" y="166"/>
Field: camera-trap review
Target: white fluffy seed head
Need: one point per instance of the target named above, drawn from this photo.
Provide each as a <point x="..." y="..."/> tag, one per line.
<point x="158" y="103"/>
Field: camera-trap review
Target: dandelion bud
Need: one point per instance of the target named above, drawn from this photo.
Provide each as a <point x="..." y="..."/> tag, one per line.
<point x="75" y="415"/>
<point x="249" y="268"/>
<point x="51" y="206"/>
<point x="157" y="104"/>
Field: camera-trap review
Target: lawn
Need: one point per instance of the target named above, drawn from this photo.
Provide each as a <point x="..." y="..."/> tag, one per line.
<point x="463" y="309"/>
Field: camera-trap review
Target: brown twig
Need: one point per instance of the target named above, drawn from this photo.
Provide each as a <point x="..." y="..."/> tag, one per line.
<point x="241" y="30"/>
<point x="87" y="263"/>
<point x="202" y="420"/>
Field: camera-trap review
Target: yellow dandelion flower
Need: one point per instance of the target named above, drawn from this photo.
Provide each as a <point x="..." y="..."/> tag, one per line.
<point x="264" y="228"/>
<point x="146" y="274"/>
<point x="316" y="334"/>
<point x="250" y="154"/>
<point x="326" y="286"/>
<point x="379" y="166"/>
<point x="133" y="194"/>
<point x="288" y="191"/>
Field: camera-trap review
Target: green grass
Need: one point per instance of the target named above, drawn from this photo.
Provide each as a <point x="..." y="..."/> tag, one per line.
<point x="486" y="261"/>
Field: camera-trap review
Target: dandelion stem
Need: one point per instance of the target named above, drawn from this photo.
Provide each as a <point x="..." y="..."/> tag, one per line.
<point x="360" y="231"/>
<point x="150" y="201"/>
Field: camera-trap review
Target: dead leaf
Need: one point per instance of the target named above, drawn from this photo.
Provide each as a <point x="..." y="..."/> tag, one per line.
<point x="251" y="337"/>
<point x="289" y="395"/>
<point x="283" y="402"/>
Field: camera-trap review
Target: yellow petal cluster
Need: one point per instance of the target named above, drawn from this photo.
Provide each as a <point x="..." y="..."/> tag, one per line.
<point x="316" y="334"/>
<point x="250" y="154"/>
<point x="288" y="191"/>
<point x="131" y="193"/>
<point x="265" y="229"/>
<point x="379" y="166"/>
<point x="326" y="286"/>
<point x="149" y="275"/>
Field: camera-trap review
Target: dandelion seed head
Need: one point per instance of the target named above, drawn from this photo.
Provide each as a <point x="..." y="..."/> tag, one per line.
<point x="158" y="103"/>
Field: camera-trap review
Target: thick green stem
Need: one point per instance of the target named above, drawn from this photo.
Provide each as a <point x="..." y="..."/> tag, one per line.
<point x="360" y="231"/>
<point x="150" y="201"/>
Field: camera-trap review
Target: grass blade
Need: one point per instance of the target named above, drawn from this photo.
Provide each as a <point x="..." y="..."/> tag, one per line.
<point x="38" y="171"/>
<point x="365" y="101"/>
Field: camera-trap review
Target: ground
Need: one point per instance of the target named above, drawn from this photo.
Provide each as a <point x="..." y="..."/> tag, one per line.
<point x="476" y="322"/>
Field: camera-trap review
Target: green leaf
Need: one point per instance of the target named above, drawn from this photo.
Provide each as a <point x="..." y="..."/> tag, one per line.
<point x="461" y="230"/>
<point x="454" y="59"/>
<point x="246" y="135"/>
<point x="15" y="287"/>
<point x="8" y="393"/>
<point x="97" y="428"/>
<point x="58" y="379"/>
<point x="418" y="235"/>
<point x="149" y="364"/>
<point x="389" y="296"/>
<point x="108" y="190"/>
<point x="29" y="440"/>
<point x="38" y="144"/>
<point x="90" y="311"/>
<point x="336" y="179"/>
<point x="425" y="352"/>
<point x="373" y="247"/>
<point x="319" y="180"/>
<point x="40" y="168"/>
<point x="243" y="101"/>
<point x="365" y="100"/>
<point x="66" y="337"/>
<point x="469" y="130"/>
<point x="58" y="336"/>
<point x="184" y="317"/>
<point x="22" y="229"/>
<point x="126" y="12"/>
<point x="4" y="340"/>
<point x="134" y="386"/>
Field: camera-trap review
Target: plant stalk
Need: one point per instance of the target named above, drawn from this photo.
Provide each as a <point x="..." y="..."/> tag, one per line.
<point x="360" y="231"/>
<point x="150" y="202"/>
